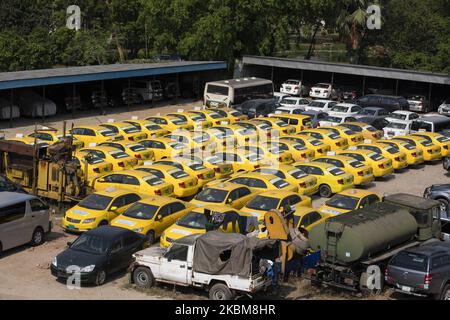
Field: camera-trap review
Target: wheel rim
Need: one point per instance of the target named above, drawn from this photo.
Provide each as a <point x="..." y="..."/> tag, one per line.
<point x="444" y="207"/>
<point x="447" y="295"/>
<point x="101" y="277"/>
<point x="37" y="237"/>
<point x="142" y="278"/>
<point x="219" y="295"/>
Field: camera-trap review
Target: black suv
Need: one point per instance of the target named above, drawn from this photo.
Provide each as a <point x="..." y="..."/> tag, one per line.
<point x="258" y="107"/>
<point x="422" y="271"/>
<point x="389" y="103"/>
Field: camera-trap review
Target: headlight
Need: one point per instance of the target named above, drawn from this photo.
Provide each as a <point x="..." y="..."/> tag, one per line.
<point x="55" y="262"/>
<point x="138" y="230"/>
<point x="88" y="220"/>
<point x="88" y="268"/>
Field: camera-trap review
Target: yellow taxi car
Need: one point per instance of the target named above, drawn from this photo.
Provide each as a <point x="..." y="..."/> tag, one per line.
<point x="269" y="152"/>
<point x="225" y="193"/>
<point x="368" y="131"/>
<point x="98" y="209"/>
<point x="165" y="148"/>
<point x="192" y="119"/>
<point x="349" y="200"/>
<point x="317" y="146"/>
<point x="171" y="123"/>
<point x="127" y="131"/>
<point x="195" y="169"/>
<point x="307" y="185"/>
<point x="277" y="125"/>
<point x="195" y="140"/>
<point x="330" y="178"/>
<point x="437" y="139"/>
<point x="212" y="116"/>
<point x="298" y="151"/>
<point x="273" y="200"/>
<point x="306" y="218"/>
<point x="184" y="185"/>
<point x="51" y="137"/>
<point x="134" y="180"/>
<point x="137" y="150"/>
<point x="119" y="159"/>
<point x="260" y="182"/>
<point x="362" y="174"/>
<point x="298" y="121"/>
<point x="96" y="167"/>
<point x="398" y="157"/>
<point x="332" y="139"/>
<point x="414" y="156"/>
<point x="231" y="114"/>
<point x="352" y="137"/>
<point x="431" y="152"/>
<point x="381" y="165"/>
<point x="241" y="160"/>
<point x="221" y="169"/>
<point x="243" y="136"/>
<point x="152" y="215"/>
<point x="195" y="222"/>
<point x="262" y="130"/>
<point x="151" y="129"/>
<point x="224" y="139"/>
<point x="94" y="134"/>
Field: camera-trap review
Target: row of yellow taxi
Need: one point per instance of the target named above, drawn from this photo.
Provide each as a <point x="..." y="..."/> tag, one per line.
<point x="142" y="169"/>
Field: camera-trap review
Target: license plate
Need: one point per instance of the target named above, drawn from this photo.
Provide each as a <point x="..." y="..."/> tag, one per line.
<point x="214" y="104"/>
<point x="70" y="226"/>
<point x="406" y="289"/>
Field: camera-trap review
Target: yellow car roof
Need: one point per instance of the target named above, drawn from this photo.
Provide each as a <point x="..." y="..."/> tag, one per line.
<point x="159" y="200"/>
<point x="291" y="116"/>
<point x="227" y="186"/>
<point x="427" y="134"/>
<point x="166" y="117"/>
<point x="136" y="173"/>
<point x="317" y="130"/>
<point x="321" y="165"/>
<point x="359" y="124"/>
<point x="117" y="124"/>
<point x="218" y="208"/>
<point x="278" y="194"/>
<point x="93" y="127"/>
<point x="359" y="193"/>
<point x="114" y="192"/>
<point x="415" y="138"/>
<point x="257" y="175"/>
<point x="301" y="211"/>
<point x="162" y="140"/>
<point x="358" y="151"/>
<point x="373" y="144"/>
<point x="99" y="148"/>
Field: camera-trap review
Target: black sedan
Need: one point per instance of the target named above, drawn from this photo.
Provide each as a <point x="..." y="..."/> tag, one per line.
<point x="98" y="253"/>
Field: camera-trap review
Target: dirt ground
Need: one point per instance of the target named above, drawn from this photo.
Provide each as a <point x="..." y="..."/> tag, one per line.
<point x="25" y="274"/>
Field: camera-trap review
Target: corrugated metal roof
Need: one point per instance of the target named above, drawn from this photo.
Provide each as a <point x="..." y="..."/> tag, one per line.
<point x="242" y="82"/>
<point x="360" y="70"/>
<point x="32" y="78"/>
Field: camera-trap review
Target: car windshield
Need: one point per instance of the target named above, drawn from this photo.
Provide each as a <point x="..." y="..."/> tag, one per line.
<point x="178" y="121"/>
<point x="392" y="150"/>
<point x="333" y="136"/>
<point x="93" y="159"/>
<point x="342" y="109"/>
<point x="212" y="195"/>
<point x="118" y="154"/>
<point x="95" y="202"/>
<point x="356" y="164"/>
<point x="332" y="119"/>
<point x="131" y="129"/>
<point x="376" y="156"/>
<point x="201" y="138"/>
<point x="370" y="129"/>
<point x="396" y="125"/>
<point x="107" y="133"/>
<point x="343" y="202"/>
<point x="153" y="181"/>
<point x="316" y="142"/>
<point x="254" y="157"/>
<point x="398" y="116"/>
<point x="91" y="244"/>
<point x="178" y="174"/>
<point x="137" y="148"/>
<point x="214" y="160"/>
<point x="193" y="220"/>
<point x="336" y="171"/>
<point x="297" y="173"/>
<point x="197" y="166"/>
<point x="413" y="261"/>
<point x="177" y="146"/>
<point x="153" y="127"/>
<point x="263" y="203"/>
<point x="316" y="104"/>
<point x="288" y="101"/>
<point x="141" y="211"/>
<point x="322" y="86"/>
<point x="442" y="139"/>
<point x="279" y="183"/>
<point x="236" y="113"/>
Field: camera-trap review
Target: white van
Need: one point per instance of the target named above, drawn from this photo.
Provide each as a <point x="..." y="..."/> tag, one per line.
<point x="23" y="219"/>
<point x="148" y="90"/>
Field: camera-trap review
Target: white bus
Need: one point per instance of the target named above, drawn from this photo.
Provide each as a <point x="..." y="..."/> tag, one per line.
<point x="235" y="91"/>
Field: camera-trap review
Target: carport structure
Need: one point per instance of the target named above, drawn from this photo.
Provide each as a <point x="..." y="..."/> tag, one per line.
<point x="433" y="85"/>
<point x="73" y="76"/>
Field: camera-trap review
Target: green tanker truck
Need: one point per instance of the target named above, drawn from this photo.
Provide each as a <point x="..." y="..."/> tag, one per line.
<point x="355" y="247"/>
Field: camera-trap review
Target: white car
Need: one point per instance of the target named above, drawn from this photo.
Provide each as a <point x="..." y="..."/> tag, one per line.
<point x="294" y="102"/>
<point x="294" y="88"/>
<point x="289" y="110"/>
<point x="444" y="108"/>
<point x="334" y="120"/>
<point x="323" y="91"/>
<point x="321" y="105"/>
<point x="345" y="109"/>
<point x="397" y="128"/>
<point x="401" y="115"/>
<point x="280" y="96"/>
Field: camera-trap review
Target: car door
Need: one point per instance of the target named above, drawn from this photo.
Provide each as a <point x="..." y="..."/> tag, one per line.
<point x="130" y="183"/>
<point x="112" y="180"/>
<point x="40" y="215"/>
<point x="163" y="220"/>
<point x="116" y="256"/>
<point x="131" y="244"/>
<point x="12" y="227"/>
<point x="174" y="264"/>
<point x="244" y="195"/>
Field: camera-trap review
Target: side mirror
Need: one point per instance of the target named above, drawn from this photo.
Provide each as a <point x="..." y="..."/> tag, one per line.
<point x="113" y="209"/>
<point x="69" y="244"/>
<point x="229" y="201"/>
<point x="101" y="180"/>
<point x="159" y="217"/>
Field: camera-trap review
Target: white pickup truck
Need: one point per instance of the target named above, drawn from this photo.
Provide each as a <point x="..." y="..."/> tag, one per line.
<point x="224" y="264"/>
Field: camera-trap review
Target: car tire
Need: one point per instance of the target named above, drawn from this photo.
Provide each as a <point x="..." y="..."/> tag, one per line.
<point x="38" y="237"/>
<point x="220" y="291"/>
<point x="325" y="191"/>
<point x="445" y="295"/>
<point x="100" y="278"/>
<point x="151" y="237"/>
<point x="103" y="223"/>
<point x="143" y="277"/>
<point x="445" y="205"/>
